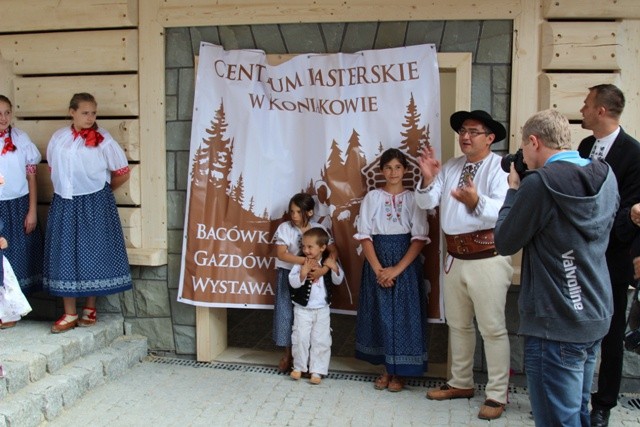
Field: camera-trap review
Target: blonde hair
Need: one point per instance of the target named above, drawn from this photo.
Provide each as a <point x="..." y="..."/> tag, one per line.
<point x="551" y="127"/>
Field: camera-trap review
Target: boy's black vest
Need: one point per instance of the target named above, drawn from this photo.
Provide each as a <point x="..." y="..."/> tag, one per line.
<point x="301" y="295"/>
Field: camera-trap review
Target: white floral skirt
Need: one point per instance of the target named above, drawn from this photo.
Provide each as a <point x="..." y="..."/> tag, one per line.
<point x="13" y="304"/>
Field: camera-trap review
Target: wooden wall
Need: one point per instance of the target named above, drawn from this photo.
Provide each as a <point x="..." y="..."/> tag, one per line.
<point x="51" y="50"/>
<point x="584" y="44"/>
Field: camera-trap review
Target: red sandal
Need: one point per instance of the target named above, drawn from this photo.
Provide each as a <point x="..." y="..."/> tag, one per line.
<point x="88" y="317"/>
<point x="65" y="323"/>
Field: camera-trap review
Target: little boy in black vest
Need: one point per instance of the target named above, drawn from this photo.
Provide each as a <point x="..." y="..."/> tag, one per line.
<point x="311" y="336"/>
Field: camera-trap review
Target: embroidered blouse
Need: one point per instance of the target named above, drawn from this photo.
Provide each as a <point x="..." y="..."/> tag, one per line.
<point x="290" y="236"/>
<point x="15" y="165"/>
<point x="385" y="213"/>
<point x="76" y="169"/>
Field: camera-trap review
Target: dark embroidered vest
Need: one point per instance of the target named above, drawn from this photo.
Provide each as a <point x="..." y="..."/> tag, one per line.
<point x="301" y="295"/>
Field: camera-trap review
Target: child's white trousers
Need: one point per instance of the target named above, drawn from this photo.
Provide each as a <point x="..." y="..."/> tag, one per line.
<point x="311" y="339"/>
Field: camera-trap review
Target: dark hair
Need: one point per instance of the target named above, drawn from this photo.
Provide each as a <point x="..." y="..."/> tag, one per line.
<point x="305" y="202"/>
<point x="393" y="153"/>
<point x="77" y="98"/>
<point x="7" y="100"/>
<point x="321" y="236"/>
<point x="609" y="97"/>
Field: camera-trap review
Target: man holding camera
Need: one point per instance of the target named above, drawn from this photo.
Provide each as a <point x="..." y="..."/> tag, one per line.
<point x="561" y="213"/>
<point x="601" y="114"/>
<point x="470" y="190"/>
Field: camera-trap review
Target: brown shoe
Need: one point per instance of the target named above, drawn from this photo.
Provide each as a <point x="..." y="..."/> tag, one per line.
<point x="7" y="325"/>
<point x="88" y="317"/>
<point x="295" y="375"/>
<point x="65" y="323"/>
<point x="396" y="384"/>
<point x="447" y="392"/>
<point x="490" y="410"/>
<point x="315" y="379"/>
<point x="382" y="382"/>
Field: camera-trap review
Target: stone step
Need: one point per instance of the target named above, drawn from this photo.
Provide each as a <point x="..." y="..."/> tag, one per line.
<point x="43" y="400"/>
<point x="29" y="351"/>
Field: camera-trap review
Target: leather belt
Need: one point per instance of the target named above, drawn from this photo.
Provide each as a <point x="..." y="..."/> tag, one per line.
<point x="475" y="245"/>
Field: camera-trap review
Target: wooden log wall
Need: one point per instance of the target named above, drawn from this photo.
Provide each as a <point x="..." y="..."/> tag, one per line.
<point x="584" y="44"/>
<point x="53" y="49"/>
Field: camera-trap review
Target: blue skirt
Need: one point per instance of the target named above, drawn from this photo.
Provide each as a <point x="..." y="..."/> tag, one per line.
<point x="391" y="322"/>
<point x="85" y="254"/>
<point x="282" y="310"/>
<point x="25" y="251"/>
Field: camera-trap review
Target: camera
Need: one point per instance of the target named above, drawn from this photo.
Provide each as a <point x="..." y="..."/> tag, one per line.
<point x="518" y="162"/>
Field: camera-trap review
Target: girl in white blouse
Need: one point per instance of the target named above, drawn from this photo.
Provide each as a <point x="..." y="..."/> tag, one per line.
<point x="19" y="158"/>
<point x="391" y="321"/>
<point x="85" y="254"/>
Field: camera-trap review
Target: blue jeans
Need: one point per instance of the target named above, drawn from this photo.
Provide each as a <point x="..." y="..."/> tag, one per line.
<point x="559" y="376"/>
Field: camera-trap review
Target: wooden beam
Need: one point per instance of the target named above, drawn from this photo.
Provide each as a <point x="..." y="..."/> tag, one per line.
<point x="630" y="82"/>
<point x="70" y="52"/>
<point x="126" y="132"/>
<point x="524" y="69"/>
<point x="211" y="332"/>
<point x="152" y="127"/>
<point x="591" y="9"/>
<point x="147" y="256"/>
<point x="43" y="15"/>
<point x="178" y="13"/>
<point x="117" y="95"/>
<point x="580" y="46"/>
<point x="566" y="92"/>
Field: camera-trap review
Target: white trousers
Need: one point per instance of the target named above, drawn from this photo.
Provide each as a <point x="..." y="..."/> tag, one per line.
<point x="478" y="288"/>
<point x="311" y="339"/>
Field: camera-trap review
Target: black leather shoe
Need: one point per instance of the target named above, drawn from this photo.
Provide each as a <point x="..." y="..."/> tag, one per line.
<point x="600" y="417"/>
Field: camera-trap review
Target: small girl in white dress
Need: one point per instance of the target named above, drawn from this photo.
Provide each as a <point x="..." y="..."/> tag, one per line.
<point x="13" y="304"/>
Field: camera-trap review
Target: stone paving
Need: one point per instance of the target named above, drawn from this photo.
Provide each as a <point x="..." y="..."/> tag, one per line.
<point x="184" y="393"/>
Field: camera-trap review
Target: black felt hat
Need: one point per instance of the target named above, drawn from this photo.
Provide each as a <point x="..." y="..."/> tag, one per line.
<point x="458" y="118"/>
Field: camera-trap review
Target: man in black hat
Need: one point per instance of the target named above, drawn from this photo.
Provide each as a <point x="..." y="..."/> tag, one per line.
<point x="470" y="190"/>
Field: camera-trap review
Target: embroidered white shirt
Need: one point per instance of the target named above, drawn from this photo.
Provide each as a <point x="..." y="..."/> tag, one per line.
<point x="76" y="169"/>
<point x="385" y="213"/>
<point x="491" y="183"/>
<point x="13" y="165"/>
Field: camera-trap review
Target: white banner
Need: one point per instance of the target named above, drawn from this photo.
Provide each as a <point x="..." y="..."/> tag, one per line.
<point x="316" y="123"/>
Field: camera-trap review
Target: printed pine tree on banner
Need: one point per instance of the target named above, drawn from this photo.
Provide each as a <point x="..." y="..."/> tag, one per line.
<point x="413" y="135"/>
<point x="220" y="149"/>
<point x="199" y="168"/>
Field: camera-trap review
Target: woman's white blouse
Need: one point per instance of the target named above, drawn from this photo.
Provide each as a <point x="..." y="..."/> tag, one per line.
<point x="385" y="213"/>
<point x="290" y="236"/>
<point x="13" y="165"/>
<point x="76" y="169"/>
